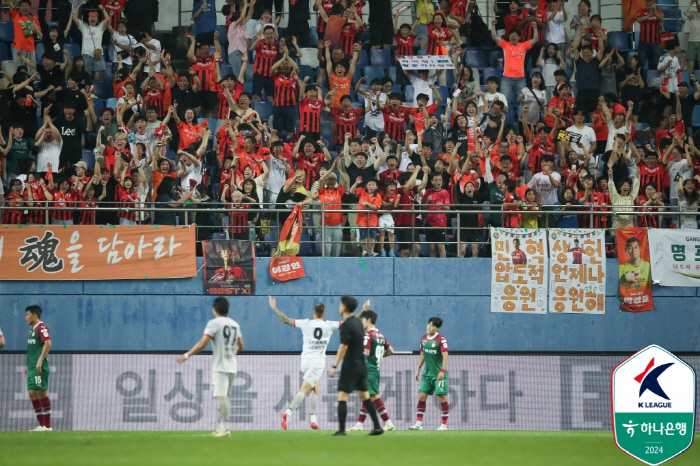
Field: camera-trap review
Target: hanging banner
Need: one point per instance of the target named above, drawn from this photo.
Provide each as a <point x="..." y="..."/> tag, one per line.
<point x="425" y="62"/>
<point x="675" y="257"/>
<point x="229" y="267"/>
<point x="519" y="270"/>
<point x="114" y="252"/>
<point x="634" y="271"/>
<point x="283" y="268"/>
<point x="577" y="271"/>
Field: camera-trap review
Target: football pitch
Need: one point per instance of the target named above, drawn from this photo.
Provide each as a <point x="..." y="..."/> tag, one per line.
<point x="482" y="448"/>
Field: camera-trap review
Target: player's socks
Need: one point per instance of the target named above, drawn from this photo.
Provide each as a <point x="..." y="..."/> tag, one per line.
<point x="363" y="415"/>
<point x="342" y="414"/>
<point x="445" y="412"/>
<point x="296" y="401"/>
<point x="38" y="408"/>
<point x="369" y="406"/>
<point x="46" y="412"/>
<point x="313" y="402"/>
<point x="421" y="411"/>
<point x="381" y="409"/>
<point x="224" y="410"/>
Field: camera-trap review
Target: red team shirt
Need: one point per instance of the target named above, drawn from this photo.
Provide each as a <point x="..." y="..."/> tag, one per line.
<point x="35" y="216"/>
<point x="346" y="123"/>
<point x="236" y="92"/>
<point x="127" y="200"/>
<point x="649" y="30"/>
<point x="12" y="217"/>
<point x="394" y="121"/>
<point x="87" y="217"/>
<point x="285" y="90"/>
<point x="63" y="201"/>
<point x="206" y="72"/>
<point x="347" y="38"/>
<point x="435" y="36"/>
<point x="432" y="197"/>
<point x="320" y="23"/>
<point x="115" y="7"/>
<point x="265" y="56"/>
<point x="404" y="45"/>
<point x="311" y="167"/>
<point x="310" y="115"/>
<point x="154" y="97"/>
<point x="518" y="257"/>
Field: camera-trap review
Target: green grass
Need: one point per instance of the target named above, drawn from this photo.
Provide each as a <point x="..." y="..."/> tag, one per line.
<point x="482" y="448"/>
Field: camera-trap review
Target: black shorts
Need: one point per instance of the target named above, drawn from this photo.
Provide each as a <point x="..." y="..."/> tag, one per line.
<point x="587" y="99"/>
<point x="435" y="235"/>
<point x="353" y="376"/>
<point x="405" y="236"/>
<point x="262" y="82"/>
<point x="381" y="34"/>
<point x="209" y="99"/>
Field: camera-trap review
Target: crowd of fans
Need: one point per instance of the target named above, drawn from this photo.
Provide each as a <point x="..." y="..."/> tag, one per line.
<point x="269" y="117"/>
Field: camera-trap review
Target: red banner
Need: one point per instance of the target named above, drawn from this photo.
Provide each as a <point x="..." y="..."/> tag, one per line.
<point x="634" y="270"/>
<point x="51" y="252"/>
<point x="286" y="268"/>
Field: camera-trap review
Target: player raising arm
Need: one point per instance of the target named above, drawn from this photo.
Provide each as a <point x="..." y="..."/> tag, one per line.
<point x="376" y="348"/>
<point x="37" y="371"/>
<point x="227" y="341"/>
<point x="317" y="333"/>
<point x="434" y="352"/>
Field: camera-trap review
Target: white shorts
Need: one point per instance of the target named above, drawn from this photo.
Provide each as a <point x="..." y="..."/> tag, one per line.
<point x="313" y="369"/>
<point x="386" y="223"/>
<point x="222" y="381"/>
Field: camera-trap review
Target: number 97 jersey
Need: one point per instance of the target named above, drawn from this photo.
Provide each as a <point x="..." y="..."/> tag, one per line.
<point x="317" y="334"/>
<point x="377" y="346"/>
<point x="224" y="333"/>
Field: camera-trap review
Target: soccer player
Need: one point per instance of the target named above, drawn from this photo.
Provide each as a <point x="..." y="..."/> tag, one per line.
<point x="227" y="341"/>
<point x="376" y="348"/>
<point x="2" y="339"/>
<point x="317" y="333"/>
<point x="518" y="256"/>
<point x="353" y="375"/>
<point x="37" y="371"/>
<point x="434" y="352"/>
<point x="577" y="252"/>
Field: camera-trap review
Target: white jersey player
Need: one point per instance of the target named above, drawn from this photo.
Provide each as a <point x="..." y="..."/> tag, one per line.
<point x="317" y="333"/>
<point x="227" y="341"/>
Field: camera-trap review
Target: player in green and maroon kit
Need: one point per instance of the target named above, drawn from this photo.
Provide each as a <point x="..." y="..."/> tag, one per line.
<point x="376" y="347"/>
<point x="37" y="371"/>
<point x="434" y="352"/>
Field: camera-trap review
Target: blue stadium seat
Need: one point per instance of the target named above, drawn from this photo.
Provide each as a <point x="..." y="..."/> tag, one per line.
<point x="305" y="70"/>
<point x="99" y="105"/>
<point x="697" y="75"/>
<point x="314" y="37"/>
<point x="396" y="88"/>
<point x="305" y="246"/>
<point x="103" y="88"/>
<point x="111" y="103"/>
<point x="381" y="58"/>
<point x="364" y="59"/>
<point x="673" y="25"/>
<point x="73" y="50"/>
<point x="225" y="69"/>
<point x="373" y="72"/>
<point x="248" y="87"/>
<point x="222" y="35"/>
<point x="218" y="236"/>
<point x="449" y="78"/>
<point x="621" y="40"/>
<point x="444" y="92"/>
<point x="653" y="79"/>
<point x="641" y="126"/>
<point x="326" y="132"/>
<point x="475" y="59"/>
<point x="358" y="74"/>
<point x="391" y="72"/>
<point x="89" y="158"/>
<point x="569" y="74"/>
<point x="497" y="72"/>
<point x="264" y="109"/>
<point x="360" y="101"/>
<point x="494" y="56"/>
<point x="39" y="51"/>
<point x="409" y="91"/>
<point x="696" y="116"/>
<point x="7" y="31"/>
<point x="364" y="36"/>
<point x="109" y="73"/>
<point x="4" y="52"/>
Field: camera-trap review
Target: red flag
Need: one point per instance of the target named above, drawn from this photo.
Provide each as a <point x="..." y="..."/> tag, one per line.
<point x="284" y="266"/>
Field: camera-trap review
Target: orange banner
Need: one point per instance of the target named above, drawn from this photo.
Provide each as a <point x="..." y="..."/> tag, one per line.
<point x="55" y="252"/>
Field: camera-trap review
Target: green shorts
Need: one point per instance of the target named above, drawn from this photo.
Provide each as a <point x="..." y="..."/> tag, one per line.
<point x="431" y="385"/>
<point x="373" y="381"/>
<point x="36" y="381"/>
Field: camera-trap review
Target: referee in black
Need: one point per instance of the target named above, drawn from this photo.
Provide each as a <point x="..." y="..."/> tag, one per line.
<point x="353" y="375"/>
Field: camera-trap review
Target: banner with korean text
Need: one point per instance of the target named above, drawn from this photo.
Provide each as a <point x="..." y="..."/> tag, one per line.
<point x="675" y="257"/>
<point x="577" y="271"/>
<point x="108" y="252"/>
<point x="425" y="62"/>
<point x="634" y="272"/>
<point x="519" y="273"/>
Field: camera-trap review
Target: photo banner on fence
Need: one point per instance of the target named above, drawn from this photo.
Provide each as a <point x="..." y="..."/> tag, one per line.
<point x="675" y="257"/>
<point x="229" y="267"/>
<point x="425" y="62"/>
<point x="577" y="271"/>
<point x="519" y="270"/>
<point x="634" y="272"/>
<point x="107" y="252"/>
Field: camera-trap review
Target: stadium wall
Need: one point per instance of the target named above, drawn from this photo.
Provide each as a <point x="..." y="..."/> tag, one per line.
<point x="170" y="315"/>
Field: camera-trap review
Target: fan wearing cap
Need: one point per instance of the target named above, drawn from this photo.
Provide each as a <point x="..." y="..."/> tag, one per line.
<point x="92" y="41"/>
<point x="81" y="174"/>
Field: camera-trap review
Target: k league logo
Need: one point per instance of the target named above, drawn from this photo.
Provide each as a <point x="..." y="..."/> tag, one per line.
<point x="653" y="403"/>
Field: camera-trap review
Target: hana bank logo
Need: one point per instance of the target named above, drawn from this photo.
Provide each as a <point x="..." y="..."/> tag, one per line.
<point x="649" y="380"/>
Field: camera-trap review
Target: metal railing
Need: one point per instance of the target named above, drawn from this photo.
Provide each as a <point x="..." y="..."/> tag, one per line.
<point x="314" y="220"/>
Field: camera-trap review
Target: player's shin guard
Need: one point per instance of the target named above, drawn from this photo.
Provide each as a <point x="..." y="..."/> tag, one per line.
<point x="445" y="412"/>
<point x="224" y="409"/>
<point x="381" y="409"/>
<point x="38" y="411"/>
<point x="46" y="412"/>
<point x="363" y="415"/>
<point x="421" y="411"/>
<point x="369" y="407"/>
<point x="342" y="414"/>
